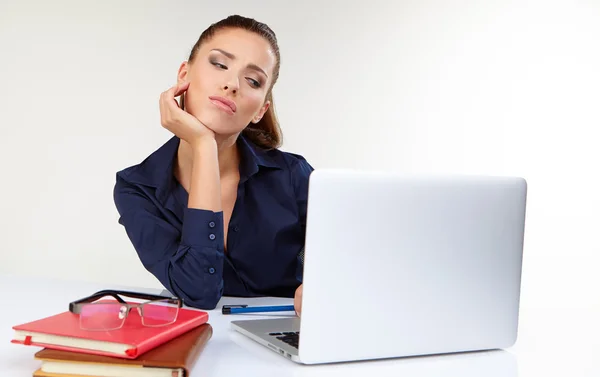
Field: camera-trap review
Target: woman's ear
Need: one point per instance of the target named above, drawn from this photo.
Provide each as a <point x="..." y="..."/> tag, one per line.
<point x="182" y="78"/>
<point x="261" y="113"/>
<point x="182" y="73"/>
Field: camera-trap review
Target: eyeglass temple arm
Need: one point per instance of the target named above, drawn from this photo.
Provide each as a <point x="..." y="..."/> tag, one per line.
<point x="145" y="296"/>
<point x="75" y="306"/>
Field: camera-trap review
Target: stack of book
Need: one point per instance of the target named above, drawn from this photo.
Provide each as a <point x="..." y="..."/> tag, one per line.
<point x="133" y="350"/>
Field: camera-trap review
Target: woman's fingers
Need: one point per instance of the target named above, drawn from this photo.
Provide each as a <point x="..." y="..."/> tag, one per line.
<point x="298" y="300"/>
<point x="181" y="123"/>
<point x="169" y="100"/>
<point x="180" y="88"/>
<point x="163" y="109"/>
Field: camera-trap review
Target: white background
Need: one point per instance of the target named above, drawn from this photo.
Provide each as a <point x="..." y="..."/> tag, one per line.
<point x="491" y="87"/>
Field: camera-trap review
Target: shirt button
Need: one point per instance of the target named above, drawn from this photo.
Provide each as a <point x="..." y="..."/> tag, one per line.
<point x="211" y="270"/>
<point x="211" y="224"/>
<point x="212" y="237"/>
<point x="236" y="229"/>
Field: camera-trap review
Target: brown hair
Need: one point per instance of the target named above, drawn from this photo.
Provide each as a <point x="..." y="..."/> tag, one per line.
<point x="266" y="133"/>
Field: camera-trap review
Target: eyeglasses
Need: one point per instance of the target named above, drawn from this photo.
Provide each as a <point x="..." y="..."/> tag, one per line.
<point x="111" y="315"/>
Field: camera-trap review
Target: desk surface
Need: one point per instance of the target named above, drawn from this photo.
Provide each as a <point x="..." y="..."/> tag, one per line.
<point x="551" y="342"/>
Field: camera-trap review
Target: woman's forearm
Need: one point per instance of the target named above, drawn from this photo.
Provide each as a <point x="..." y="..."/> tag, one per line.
<point x="205" y="182"/>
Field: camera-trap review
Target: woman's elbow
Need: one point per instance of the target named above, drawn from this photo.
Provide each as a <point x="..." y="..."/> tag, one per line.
<point x="200" y="291"/>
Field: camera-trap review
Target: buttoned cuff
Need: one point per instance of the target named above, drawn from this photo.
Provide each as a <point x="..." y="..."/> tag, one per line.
<point x="203" y="228"/>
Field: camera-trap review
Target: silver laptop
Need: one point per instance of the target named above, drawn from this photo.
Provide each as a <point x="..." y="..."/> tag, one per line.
<point x="404" y="265"/>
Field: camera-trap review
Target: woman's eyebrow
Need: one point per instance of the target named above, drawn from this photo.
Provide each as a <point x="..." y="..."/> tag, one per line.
<point x="231" y="56"/>
<point x="228" y="54"/>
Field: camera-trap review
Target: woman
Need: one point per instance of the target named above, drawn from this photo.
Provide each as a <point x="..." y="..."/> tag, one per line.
<point x="218" y="209"/>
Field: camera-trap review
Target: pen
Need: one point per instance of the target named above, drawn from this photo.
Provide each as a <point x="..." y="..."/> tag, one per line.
<point x="234" y="309"/>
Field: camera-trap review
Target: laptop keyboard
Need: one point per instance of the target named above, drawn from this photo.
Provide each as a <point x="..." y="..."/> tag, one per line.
<point x="290" y="338"/>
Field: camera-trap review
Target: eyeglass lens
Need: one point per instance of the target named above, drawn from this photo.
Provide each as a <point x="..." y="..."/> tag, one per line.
<point x="160" y="312"/>
<point x="111" y="316"/>
<point x="102" y="316"/>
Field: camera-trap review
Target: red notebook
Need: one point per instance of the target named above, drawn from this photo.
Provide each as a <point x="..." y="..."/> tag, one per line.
<point x="62" y="332"/>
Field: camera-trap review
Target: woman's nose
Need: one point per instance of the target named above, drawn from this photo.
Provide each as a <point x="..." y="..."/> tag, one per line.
<point x="229" y="88"/>
<point x="232" y="85"/>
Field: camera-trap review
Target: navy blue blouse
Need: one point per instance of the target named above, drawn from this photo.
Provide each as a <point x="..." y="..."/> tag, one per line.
<point x="184" y="248"/>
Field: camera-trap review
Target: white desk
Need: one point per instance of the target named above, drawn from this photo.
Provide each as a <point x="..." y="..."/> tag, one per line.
<point x="551" y="342"/>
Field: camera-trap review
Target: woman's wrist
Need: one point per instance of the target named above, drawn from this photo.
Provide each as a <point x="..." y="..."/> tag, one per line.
<point x="202" y="143"/>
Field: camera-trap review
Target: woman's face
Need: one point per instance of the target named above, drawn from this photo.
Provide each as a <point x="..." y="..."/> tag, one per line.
<point x="229" y="80"/>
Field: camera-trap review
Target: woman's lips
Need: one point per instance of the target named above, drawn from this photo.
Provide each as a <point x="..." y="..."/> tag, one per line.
<point x="223" y="103"/>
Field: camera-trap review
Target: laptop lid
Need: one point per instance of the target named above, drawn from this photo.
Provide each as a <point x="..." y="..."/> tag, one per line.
<point x="402" y="265"/>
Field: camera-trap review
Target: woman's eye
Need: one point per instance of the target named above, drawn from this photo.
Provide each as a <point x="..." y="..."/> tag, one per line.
<point x="219" y="65"/>
<point x="253" y="82"/>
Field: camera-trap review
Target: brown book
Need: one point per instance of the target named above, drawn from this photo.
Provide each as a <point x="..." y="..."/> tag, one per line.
<point x="172" y="359"/>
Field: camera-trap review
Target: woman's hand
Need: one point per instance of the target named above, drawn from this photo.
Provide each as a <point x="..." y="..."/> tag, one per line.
<point x="298" y="301"/>
<point x="181" y="123"/>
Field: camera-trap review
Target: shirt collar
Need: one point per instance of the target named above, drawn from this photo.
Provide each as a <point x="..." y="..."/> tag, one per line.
<point x="157" y="169"/>
<point x="252" y="157"/>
